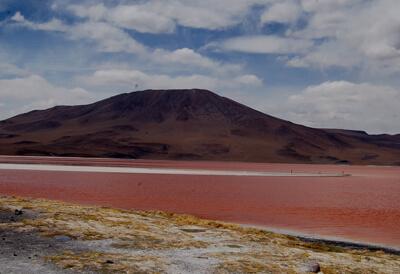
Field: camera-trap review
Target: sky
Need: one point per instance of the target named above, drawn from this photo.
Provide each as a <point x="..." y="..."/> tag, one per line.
<point x="321" y="63"/>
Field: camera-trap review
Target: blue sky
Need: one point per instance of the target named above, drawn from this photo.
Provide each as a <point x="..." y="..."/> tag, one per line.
<point x="331" y="63"/>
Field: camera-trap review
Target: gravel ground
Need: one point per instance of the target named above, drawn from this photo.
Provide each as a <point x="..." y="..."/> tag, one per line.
<point x="41" y="236"/>
<point x="23" y="252"/>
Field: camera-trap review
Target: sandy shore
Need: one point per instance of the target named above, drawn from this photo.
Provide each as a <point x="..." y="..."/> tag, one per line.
<point x="338" y="241"/>
<point x="164" y="171"/>
<point x="42" y="236"/>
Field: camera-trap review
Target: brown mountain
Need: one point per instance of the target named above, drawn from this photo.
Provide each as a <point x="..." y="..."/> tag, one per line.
<point x="186" y="124"/>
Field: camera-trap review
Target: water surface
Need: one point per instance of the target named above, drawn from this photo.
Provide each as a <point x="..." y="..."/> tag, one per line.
<point x="363" y="207"/>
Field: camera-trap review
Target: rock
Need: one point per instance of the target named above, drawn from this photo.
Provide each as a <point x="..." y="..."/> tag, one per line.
<point x="312" y="267"/>
<point x="18" y="212"/>
<point x="62" y="238"/>
<point x="234" y="246"/>
<point x="193" y="229"/>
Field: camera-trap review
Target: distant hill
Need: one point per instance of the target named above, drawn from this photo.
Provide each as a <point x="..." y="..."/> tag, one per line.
<point x="189" y="125"/>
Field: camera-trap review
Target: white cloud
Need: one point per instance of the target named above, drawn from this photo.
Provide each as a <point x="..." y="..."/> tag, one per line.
<point x="8" y="70"/>
<point x="141" y="19"/>
<point x="328" y="5"/>
<point x="23" y="94"/>
<point x="333" y="27"/>
<point x="107" y="37"/>
<point x="266" y="44"/>
<point x="367" y="32"/>
<point x="207" y="14"/>
<point x="52" y="25"/>
<point x="351" y="34"/>
<point x="282" y="12"/>
<point x="330" y="54"/>
<point x="341" y="104"/>
<point x="249" y="80"/>
<point x="94" y="12"/>
<point x="185" y="57"/>
<point x="18" y="17"/>
<point x="137" y="17"/>
<point x="135" y="79"/>
<point x="157" y="16"/>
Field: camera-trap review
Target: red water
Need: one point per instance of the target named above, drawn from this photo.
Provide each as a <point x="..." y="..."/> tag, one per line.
<point x="364" y="207"/>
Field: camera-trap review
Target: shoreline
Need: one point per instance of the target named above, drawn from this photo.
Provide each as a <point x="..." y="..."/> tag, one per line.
<point x="333" y="240"/>
<point x="61" y="237"/>
<point x="351" y="245"/>
<point x="133" y="160"/>
<point x="312" y="208"/>
<point x="306" y="237"/>
<point x="162" y="171"/>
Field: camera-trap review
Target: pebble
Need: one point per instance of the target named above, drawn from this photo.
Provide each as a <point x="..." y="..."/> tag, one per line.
<point x="193" y="229"/>
<point x="312" y="267"/>
<point x="62" y="238"/>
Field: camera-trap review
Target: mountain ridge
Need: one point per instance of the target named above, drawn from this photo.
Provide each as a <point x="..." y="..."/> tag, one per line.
<point x="191" y="124"/>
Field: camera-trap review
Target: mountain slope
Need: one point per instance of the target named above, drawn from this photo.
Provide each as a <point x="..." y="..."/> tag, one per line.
<point x="185" y="124"/>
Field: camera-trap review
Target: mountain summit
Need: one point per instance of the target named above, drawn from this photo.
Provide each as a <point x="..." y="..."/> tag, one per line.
<point x="185" y="124"/>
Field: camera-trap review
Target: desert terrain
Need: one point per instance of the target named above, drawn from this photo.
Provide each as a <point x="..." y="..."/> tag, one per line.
<point x="302" y="199"/>
<point x="42" y="236"/>
<point x="199" y="137"/>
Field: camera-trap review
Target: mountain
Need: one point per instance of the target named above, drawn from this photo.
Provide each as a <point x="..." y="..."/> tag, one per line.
<point x="186" y="125"/>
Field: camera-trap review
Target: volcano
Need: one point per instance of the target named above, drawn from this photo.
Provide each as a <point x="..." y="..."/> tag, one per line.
<point x="191" y="124"/>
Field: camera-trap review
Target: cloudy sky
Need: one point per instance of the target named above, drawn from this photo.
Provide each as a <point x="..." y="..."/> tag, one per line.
<point x="322" y="63"/>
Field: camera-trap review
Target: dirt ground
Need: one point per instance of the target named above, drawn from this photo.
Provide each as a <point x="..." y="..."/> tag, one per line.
<point x="42" y="236"/>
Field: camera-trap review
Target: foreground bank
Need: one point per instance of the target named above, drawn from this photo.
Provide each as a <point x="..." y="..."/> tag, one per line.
<point x="54" y="237"/>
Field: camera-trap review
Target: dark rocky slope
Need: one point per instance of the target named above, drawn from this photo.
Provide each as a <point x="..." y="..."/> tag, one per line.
<point x="186" y="124"/>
